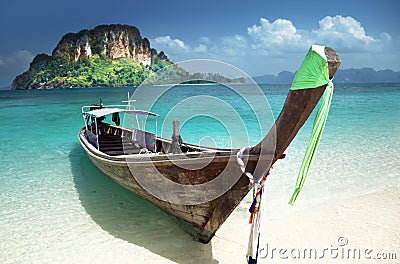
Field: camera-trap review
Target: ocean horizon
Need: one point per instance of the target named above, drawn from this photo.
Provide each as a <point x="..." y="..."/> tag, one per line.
<point x="56" y="205"/>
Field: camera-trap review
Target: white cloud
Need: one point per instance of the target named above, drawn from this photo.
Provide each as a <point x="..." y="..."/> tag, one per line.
<point x="345" y="33"/>
<point x="178" y="50"/>
<point x="279" y="34"/>
<point x="201" y="48"/>
<point x="266" y="46"/>
<point x="231" y="46"/>
<point x="170" y="44"/>
<point x="343" y="26"/>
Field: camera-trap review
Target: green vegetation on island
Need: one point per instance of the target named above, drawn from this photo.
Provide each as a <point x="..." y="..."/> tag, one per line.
<point x="50" y="72"/>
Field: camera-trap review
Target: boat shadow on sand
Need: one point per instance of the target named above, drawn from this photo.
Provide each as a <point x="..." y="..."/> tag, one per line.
<point x="127" y="216"/>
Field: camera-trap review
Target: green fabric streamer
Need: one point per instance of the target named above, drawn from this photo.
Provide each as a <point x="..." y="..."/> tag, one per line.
<point x="314" y="72"/>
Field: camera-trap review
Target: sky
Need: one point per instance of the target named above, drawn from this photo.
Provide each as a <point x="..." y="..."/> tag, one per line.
<point x="258" y="37"/>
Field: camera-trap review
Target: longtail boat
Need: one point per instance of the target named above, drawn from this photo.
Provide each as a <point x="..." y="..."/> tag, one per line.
<point x="145" y="163"/>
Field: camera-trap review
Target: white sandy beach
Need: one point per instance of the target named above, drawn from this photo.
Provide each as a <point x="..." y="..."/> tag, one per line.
<point x="369" y="223"/>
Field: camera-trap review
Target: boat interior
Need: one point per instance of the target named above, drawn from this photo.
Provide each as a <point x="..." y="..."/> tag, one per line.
<point x="116" y="140"/>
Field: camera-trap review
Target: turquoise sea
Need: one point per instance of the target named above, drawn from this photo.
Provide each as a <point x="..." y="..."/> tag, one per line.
<point x="57" y="207"/>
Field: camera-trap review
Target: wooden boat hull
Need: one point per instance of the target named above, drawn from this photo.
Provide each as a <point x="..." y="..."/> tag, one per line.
<point x="201" y="220"/>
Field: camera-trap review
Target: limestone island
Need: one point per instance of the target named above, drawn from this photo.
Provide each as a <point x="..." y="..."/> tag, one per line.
<point x="105" y="56"/>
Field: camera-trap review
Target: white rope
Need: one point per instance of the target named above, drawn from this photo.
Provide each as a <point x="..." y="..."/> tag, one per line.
<point x="255" y="217"/>
<point x="240" y="161"/>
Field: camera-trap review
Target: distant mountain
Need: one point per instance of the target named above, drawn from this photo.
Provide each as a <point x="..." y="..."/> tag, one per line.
<point x="282" y="77"/>
<point x="364" y="75"/>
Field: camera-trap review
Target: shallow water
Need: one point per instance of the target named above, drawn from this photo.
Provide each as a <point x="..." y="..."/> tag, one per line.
<point x="56" y="206"/>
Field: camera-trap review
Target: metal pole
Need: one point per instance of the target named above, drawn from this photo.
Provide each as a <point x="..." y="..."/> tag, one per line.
<point x="155" y="133"/>
<point x="97" y="134"/>
<point x="85" y="121"/>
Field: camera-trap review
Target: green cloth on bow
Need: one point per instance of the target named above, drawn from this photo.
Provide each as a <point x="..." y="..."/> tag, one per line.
<point x="313" y="72"/>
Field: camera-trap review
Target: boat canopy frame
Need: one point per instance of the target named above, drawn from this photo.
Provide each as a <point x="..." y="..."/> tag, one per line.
<point x="91" y="115"/>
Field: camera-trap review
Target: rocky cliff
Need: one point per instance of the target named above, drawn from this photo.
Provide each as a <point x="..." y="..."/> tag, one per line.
<point x="108" y="41"/>
<point x="107" y="55"/>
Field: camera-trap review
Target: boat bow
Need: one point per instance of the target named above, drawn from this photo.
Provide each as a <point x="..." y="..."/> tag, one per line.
<point x="298" y="106"/>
